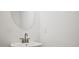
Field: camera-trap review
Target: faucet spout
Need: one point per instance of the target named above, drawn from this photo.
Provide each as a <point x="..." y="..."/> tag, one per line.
<point x="26" y="38"/>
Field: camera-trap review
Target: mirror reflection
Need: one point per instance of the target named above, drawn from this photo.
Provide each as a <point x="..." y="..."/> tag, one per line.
<point x="24" y="19"/>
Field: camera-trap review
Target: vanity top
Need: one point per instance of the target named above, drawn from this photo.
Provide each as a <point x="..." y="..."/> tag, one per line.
<point x="31" y="44"/>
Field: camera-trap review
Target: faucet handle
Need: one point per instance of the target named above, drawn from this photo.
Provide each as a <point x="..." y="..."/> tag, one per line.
<point x="21" y="38"/>
<point x="28" y="40"/>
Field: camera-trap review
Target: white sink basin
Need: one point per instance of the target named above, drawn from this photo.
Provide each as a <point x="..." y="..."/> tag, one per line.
<point x="31" y="44"/>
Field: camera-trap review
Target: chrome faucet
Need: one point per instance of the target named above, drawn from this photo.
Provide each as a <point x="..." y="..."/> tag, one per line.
<point x="25" y="39"/>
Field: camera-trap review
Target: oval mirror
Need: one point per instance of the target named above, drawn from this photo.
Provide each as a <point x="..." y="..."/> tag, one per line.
<point x="24" y="19"/>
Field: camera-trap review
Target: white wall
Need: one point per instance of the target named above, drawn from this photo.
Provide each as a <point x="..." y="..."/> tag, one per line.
<point x="59" y="28"/>
<point x="10" y="33"/>
<point x="56" y="29"/>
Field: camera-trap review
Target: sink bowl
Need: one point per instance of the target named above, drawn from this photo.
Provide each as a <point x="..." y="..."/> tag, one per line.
<point x="31" y="44"/>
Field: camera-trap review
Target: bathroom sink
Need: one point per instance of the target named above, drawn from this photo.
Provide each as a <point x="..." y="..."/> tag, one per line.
<point x="31" y="44"/>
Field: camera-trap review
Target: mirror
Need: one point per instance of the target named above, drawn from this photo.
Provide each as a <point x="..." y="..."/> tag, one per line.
<point x="24" y="19"/>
